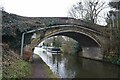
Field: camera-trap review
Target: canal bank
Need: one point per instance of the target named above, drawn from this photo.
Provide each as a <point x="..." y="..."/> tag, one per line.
<point x="40" y="69"/>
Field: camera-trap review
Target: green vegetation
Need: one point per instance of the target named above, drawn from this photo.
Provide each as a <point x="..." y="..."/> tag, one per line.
<point x="13" y="66"/>
<point x="19" y="69"/>
<point x="115" y="59"/>
<point x="71" y="46"/>
<point x="67" y="45"/>
<point x="0" y="63"/>
<point x="0" y="74"/>
<point x="113" y="53"/>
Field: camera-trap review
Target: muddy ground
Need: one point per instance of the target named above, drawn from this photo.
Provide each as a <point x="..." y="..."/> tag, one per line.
<point x="40" y="69"/>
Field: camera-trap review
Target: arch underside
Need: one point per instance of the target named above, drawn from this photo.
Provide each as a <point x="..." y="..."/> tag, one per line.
<point x="84" y="40"/>
<point x="90" y="48"/>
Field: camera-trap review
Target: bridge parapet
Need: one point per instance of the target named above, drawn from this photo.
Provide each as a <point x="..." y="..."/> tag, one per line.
<point x="71" y="21"/>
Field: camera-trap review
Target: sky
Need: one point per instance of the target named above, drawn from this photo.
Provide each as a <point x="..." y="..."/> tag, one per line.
<point x="115" y="0"/>
<point x="39" y="8"/>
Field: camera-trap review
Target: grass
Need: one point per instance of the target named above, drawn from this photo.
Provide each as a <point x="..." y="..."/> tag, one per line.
<point x="0" y="65"/>
<point x="12" y="66"/>
<point x="0" y="74"/>
<point x="19" y="69"/>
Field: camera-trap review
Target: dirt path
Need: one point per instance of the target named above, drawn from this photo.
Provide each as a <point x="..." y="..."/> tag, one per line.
<point x="40" y="69"/>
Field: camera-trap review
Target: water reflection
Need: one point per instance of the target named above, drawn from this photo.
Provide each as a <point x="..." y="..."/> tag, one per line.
<point x="92" y="52"/>
<point x="72" y="66"/>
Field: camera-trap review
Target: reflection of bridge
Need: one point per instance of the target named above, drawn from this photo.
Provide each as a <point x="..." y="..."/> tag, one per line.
<point x="87" y="34"/>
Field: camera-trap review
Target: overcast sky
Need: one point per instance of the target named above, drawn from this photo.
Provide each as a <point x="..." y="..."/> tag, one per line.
<point x="39" y="8"/>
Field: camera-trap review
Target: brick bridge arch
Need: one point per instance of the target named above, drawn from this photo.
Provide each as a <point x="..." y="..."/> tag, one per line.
<point x="85" y="36"/>
<point x="85" y="33"/>
<point x="84" y="39"/>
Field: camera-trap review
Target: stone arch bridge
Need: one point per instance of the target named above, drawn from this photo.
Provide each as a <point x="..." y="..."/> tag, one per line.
<point x="87" y="34"/>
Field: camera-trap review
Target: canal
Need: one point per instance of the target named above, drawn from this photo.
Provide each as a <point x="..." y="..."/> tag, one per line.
<point x="73" y="66"/>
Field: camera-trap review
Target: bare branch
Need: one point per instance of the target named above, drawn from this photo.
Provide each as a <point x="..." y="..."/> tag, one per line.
<point x="92" y="7"/>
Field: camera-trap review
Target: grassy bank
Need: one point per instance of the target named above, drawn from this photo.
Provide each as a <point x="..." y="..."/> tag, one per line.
<point x="18" y="69"/>
<point x="114" y="59"/>
<point x="13" y="66"/>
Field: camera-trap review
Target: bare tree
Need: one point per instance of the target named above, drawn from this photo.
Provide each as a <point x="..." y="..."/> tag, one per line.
<point x="88" y="10"/>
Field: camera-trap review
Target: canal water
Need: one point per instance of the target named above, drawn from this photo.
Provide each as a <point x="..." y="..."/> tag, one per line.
<point x="73" y="66"/>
